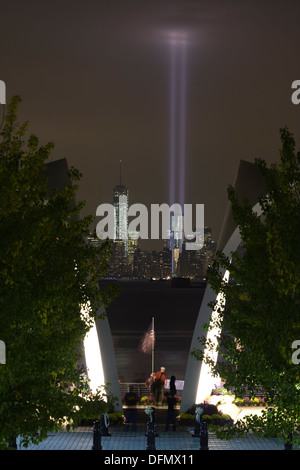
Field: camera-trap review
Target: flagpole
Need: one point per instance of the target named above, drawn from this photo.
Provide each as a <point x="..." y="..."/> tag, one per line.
<point x="153" y="345"/>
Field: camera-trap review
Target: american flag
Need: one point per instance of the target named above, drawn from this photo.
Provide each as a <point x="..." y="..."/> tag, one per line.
<point x="148" y="340"/>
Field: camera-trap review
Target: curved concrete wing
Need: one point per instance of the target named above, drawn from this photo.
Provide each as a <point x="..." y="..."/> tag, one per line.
<point x="109" y="364"/>
<point x="101" y="355"/>
<point x="198" y="380"/>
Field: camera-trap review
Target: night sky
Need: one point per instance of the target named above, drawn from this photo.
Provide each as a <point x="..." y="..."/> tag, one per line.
<point x="94" y="77"/>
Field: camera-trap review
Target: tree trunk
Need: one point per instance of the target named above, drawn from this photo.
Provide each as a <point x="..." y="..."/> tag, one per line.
<point x="12" y="443"/>
<point x="288" y="443"/>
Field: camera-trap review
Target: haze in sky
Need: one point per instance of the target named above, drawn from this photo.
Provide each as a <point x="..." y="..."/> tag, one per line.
<point x="96" y="78"/>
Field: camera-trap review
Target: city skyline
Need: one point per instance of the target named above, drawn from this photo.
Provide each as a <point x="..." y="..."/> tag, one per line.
<point x="168" y="259"/>
<point x="156" y="264"/>
<point x="174" y="236"/>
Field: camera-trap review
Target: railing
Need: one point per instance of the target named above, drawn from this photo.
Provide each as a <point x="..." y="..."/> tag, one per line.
<point x="142" y="390"/>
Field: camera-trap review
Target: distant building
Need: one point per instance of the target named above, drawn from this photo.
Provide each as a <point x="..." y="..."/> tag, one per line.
<point x="194" y="263"/>
<point x="133" y="244"/>
<point x="142" y="264"/>
<point x="176" y="235"/>
<point x="120" y="203"/>
<point x="129" y="260"/>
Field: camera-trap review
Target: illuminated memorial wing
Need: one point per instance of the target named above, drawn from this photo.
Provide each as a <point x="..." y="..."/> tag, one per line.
<point x="93" y="359"/>
<point x="100" y="359"/>
<point x="198" y="380"/>
<point x="98" y="345"/>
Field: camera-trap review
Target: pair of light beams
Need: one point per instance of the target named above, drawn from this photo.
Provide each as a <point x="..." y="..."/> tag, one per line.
<point x="177" y="105"/>
<point x="177" y="133"/>
<point x="177" y="42"/>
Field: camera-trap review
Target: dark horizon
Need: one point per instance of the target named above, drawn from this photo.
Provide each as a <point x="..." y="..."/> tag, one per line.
<point x="175" y="311"/>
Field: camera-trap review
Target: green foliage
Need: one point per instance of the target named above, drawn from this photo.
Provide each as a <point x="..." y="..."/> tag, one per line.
<point x="116" y="417"/>
<point x="261" y="318"/>
<point x="92" y="406"/>
<point x="282" y="423"/>
<point x="214" y="420"/>
<point x="186" y="419"/>
<point x="47" y="272"/>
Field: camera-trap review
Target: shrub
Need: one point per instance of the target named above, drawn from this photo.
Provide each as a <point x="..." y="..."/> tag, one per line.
<point x="216" y="416"/>
<point x="208" y="409"/>
<point x="186" y="419"/>
<point x="210" y="415"/>
<point x="220" y="391"/>
<point x="186" y="416"/>
<point x="116" y="417"/>
<point x="206" y="417"/>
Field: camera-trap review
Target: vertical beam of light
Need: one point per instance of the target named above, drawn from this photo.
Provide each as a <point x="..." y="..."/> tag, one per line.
<point x="177" y="135"/>
<point x="172" y="163"/>
<point x="182" y="124"/>
<point x="172" y="124"/>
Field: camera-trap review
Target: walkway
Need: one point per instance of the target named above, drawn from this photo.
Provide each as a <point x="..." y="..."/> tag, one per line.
<point x="123" y="440"/>
<point x="82" y="439"/>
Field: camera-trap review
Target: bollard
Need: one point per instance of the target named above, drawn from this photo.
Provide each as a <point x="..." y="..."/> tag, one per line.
<point x="150" y="433"/>
<point x="104" y="423"/>
<point x="198" y="413"/>
<point x="150" y="436"/>
<point x="96" y="436"/>
<point x="203" y="436"/>
<point x="196" y="432"/>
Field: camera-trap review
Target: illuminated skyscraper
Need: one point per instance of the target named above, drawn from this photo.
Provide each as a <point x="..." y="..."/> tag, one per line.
<point x="133" y="244"/>
<point x="121" y="213"/>
<point x="176" y="234"/>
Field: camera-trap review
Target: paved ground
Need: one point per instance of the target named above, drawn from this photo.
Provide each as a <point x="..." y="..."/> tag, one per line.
<point x="119" y="440"/>
<point x="124" y="439"/>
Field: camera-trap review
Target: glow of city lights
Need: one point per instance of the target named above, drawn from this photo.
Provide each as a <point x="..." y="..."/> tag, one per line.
<point x="206" y="379"/>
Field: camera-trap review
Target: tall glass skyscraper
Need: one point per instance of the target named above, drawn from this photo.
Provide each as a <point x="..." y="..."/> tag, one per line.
<point x="121" y="213"/>
<point x="176" y="236"/>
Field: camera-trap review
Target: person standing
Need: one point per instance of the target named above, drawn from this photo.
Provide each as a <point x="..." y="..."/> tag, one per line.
<point x="172" y="386"/>
<point x="160" y="382"/>
<point x="171" y="401"/>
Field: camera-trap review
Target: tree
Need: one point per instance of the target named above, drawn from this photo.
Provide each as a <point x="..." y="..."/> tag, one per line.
<point x="259" y="319"/>
<point x="48" y="271"/>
